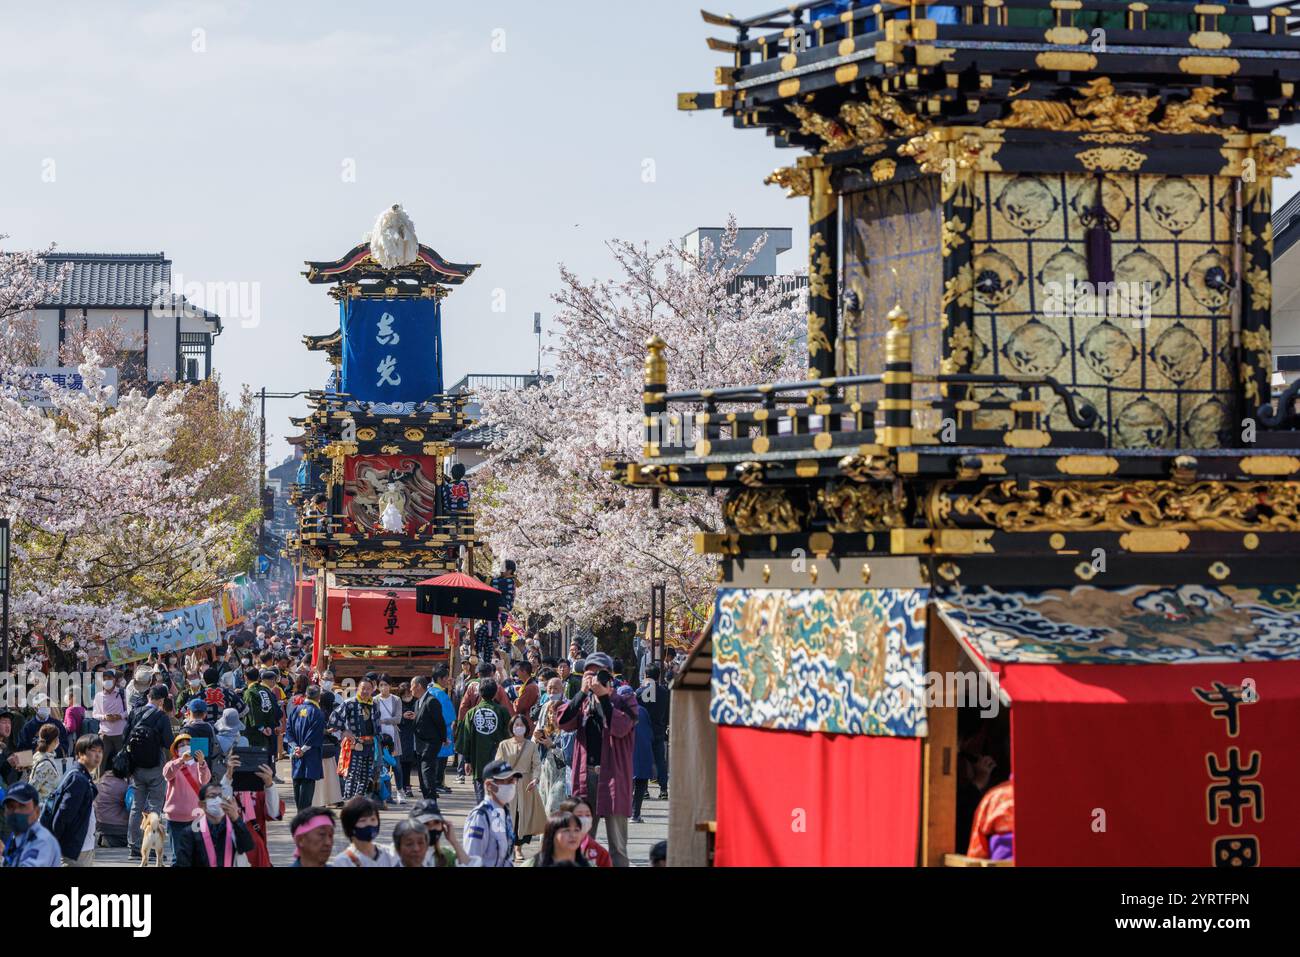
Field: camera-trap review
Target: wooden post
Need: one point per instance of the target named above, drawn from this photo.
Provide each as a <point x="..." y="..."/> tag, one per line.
<point x="823" y="274"/>
<point x="939" y="755"/>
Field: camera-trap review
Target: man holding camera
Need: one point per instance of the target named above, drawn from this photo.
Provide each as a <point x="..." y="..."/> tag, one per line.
<point x="605" y="723"/>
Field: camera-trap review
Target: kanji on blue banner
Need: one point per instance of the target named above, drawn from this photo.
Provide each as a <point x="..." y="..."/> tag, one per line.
<point x="392" y="349"/>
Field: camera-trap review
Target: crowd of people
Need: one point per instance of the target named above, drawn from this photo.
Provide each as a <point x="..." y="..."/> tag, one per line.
<point x="177" y="756"/>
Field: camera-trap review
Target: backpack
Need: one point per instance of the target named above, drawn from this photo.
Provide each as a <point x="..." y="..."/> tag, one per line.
<point x="143" y="745"/>
<point x="51" y="805"/>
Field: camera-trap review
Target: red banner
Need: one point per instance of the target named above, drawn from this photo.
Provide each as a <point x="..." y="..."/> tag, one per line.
<point x="800" y="799"/>
<point x="1155" y="765"/>
<point x="372" y="482"/>
<point x="380" y="618"/>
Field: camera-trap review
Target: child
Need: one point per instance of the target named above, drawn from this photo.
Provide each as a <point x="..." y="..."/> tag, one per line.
<point x="387" y="771"/>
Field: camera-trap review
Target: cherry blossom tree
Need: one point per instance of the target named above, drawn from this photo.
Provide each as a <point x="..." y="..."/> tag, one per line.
<point x="107" y="527"/>
<point x="589" y="550"/>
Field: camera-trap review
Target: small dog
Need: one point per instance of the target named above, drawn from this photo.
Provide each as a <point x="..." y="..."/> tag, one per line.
<point x="151" y="840"/>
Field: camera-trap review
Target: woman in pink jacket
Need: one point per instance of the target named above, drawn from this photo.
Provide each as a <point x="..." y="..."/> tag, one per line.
<point x="185" y="774"/>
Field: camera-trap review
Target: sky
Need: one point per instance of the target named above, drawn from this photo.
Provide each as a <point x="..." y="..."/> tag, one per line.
<point x="244" y="138"/>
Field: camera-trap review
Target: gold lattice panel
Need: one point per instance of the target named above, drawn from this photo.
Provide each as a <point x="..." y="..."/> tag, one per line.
<point x="1161" y="381"/>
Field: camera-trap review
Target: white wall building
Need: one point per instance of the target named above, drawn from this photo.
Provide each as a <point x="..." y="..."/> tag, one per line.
<point x="166" y="338"/>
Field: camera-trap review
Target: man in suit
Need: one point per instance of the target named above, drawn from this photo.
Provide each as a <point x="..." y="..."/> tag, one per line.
<point x="305" y="738"/>
<point x="430" y="733"/>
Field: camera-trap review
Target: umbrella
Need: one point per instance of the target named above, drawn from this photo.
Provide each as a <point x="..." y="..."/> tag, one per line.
<point x="463" y="596"/>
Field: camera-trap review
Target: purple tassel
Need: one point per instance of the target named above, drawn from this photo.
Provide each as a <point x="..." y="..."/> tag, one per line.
<point x="1100" y="225"/>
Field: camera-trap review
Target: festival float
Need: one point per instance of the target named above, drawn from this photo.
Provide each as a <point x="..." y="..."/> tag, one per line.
<point x="379" y="511"/>
<point x="1037" y="451"/>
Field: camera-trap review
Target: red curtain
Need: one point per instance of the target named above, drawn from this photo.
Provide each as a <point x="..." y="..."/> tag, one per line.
<point x="383" y="618"/>
<point x="1111" y="764"/>
<point x="796" y="799"/>
<point x="305" y="600"/>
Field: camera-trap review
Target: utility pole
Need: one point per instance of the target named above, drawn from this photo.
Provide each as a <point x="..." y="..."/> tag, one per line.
<point x="537" y="328"/>
<point x="261" y="481"/>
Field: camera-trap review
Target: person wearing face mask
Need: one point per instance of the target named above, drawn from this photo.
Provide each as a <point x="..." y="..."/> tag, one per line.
<point x="29" y="843"/>
<point x="360" y="820"/>
<point x="44" y="717"/>
<point x="482" y="729"/>
<point x="605" y="719"/>
<point x="185" y="774"/>
<point x="525" y="808"/>
<point x="489" y="837"/>
<point x="217" y="835"/>
<point x="109" y="709"/>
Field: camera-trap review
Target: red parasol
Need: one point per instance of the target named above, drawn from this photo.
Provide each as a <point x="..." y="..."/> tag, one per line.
<point x="463" y="596"/>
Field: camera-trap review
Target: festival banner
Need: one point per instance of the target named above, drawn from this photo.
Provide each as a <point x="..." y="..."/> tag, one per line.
<point x="390" y="350"/>
<point x="181" y="628"/>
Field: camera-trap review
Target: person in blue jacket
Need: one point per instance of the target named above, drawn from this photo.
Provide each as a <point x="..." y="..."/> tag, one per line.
<point x="67" y="813"/>
<point x="441" y="690"/>
<point x="305" y="738"/>
<point x="43" y="716"/>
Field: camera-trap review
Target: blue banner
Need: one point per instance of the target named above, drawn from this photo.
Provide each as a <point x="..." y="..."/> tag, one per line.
<point x="392" y="349"/>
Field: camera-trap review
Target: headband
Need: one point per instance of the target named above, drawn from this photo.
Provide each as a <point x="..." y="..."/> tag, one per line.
<point x="320" y="820"/>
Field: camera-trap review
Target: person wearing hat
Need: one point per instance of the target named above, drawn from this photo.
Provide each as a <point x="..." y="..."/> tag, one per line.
<point x="196" y="725"/>
<point x="29" y="843"/>
<point x="489" y="833"/>
<point x="44" y="717"/>
<point x="445" y="849"/>
<point x="110" y="710"/>
<point x="185" y="774"/>
<point x="137" y="690"/>
<point x="605" y="722"/>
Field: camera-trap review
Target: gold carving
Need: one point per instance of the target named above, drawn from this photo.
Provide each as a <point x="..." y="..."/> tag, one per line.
<point x="763" y="511"/>
<point x="1219" y="571"/>
<point x="1101" y="111"/>
<point x="1111" y="158"/>
<point x="882" y="170"/>
<point x="366" y="435"/>
<point x="1124" y="506"/>
<point x="795" y="180"/>
<point x="1274" y="158"/>
<point x="1057" y="541"/>
<point x="859" y="467"/>
<point x="860" y="508"/>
